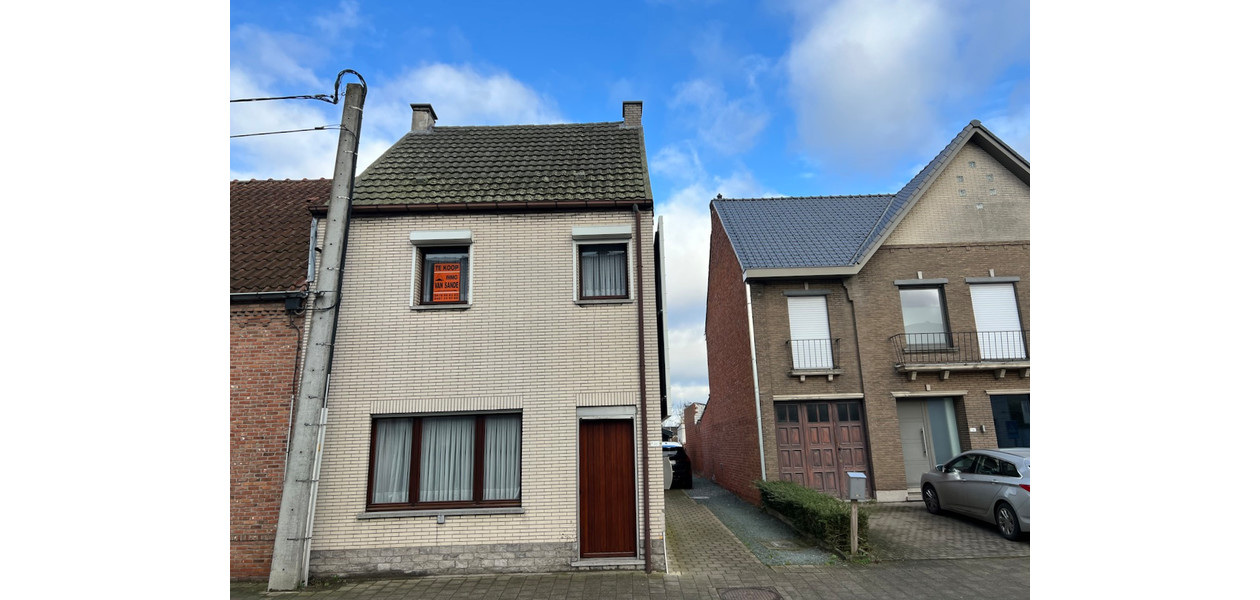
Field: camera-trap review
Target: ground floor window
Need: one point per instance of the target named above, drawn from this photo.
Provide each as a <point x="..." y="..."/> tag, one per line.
<point x="445" y="461"/>
<point x="1010" y="418"/>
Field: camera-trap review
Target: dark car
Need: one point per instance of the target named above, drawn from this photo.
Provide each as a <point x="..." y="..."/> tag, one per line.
<point x="681" y="464"/>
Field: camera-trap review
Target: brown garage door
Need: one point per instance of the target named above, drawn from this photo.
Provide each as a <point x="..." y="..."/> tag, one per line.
<point x="818" y="442"/>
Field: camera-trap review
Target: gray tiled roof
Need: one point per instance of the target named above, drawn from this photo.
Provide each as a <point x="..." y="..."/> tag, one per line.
<point x="514" y="163"/>
<point x="823" y="231"/>
<point x="819" y="231"/>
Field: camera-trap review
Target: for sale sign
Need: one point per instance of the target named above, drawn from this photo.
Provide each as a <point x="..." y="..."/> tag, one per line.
<point x="446" y="282"/>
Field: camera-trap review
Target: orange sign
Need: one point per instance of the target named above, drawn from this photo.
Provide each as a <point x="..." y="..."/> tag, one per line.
<point x="446" y="282"/>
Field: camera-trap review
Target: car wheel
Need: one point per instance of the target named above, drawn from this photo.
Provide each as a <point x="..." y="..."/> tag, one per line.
<point x="931" y="500"/>
<point x="1007" y="521"/>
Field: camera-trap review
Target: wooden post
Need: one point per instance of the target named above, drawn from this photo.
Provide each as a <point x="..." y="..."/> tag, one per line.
<point x="853" y="529"/>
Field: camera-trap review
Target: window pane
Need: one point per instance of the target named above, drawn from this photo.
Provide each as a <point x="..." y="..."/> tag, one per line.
<point x="603" y="270"/>
<point x="503" y="458"/>
<point x="446" y="459"/>
<point x="923" y="317"/>
<point x="445" y="275"/>
<point x="393" y="460"/>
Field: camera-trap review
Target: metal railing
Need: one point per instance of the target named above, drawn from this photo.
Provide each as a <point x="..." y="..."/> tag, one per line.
<point x="961" y="347"/>
<point x="811" y="354"/>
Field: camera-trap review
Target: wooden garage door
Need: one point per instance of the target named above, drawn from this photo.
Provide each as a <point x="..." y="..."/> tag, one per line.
<point x="606" y="488"/>
<point x="818" y="442"/>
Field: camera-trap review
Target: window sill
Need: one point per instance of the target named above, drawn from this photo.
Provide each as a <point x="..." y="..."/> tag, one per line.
<point x="444" y="512"/>
<point x="604" y="301"/>
<point x="459" y="306"/>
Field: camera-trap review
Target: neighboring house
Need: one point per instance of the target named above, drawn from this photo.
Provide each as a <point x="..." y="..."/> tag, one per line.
<point x="891" y="331"/>
<point x="495" y="386"/>
<point x="694" y="437"/>
<point x="271" y="230"/>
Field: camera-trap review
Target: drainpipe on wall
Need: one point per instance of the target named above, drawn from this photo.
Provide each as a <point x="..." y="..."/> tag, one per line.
<point x="647" y="503"/>
<point x="857" y="352"/>
<point x="752" y="345"/>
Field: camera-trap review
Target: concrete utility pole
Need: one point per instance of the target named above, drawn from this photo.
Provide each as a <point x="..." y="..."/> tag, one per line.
<point x="289" y="560"/>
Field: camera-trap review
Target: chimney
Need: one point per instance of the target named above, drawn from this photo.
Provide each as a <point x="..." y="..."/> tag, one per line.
<point x="632" y="114"/>
<point x="422" y="118"/>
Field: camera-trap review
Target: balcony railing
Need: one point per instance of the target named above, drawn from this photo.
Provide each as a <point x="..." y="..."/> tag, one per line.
<point x="810" y="355"/>
<point x="961" y="347"/>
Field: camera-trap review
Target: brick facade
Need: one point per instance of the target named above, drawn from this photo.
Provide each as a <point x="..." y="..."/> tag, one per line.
<point x="264" y="342"/>
<point x="522" y="344"/>
<point x="695" y="443"/>
<point x="972" y="221"/>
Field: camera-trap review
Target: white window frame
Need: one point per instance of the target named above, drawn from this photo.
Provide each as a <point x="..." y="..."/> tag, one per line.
<point x="604" y="234"/>
<point x="438" y="238"/>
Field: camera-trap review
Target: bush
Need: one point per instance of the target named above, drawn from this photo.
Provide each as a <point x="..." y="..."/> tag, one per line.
<point x="814" y="513"/>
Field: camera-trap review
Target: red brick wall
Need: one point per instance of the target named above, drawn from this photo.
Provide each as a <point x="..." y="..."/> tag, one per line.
<point x="729" y="425"/>
<point x="263" y="354"/>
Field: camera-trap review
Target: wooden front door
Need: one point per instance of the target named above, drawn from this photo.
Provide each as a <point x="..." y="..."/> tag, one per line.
<point x="818" y="442"/>
<point x="606" y="488"/>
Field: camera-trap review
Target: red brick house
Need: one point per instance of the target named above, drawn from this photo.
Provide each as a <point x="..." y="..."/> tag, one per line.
<point x="271" y="231"/>
<point x="890" y="331"/>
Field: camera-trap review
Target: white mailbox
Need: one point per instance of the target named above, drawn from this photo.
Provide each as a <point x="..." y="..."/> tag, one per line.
<point x="857" y="485"/>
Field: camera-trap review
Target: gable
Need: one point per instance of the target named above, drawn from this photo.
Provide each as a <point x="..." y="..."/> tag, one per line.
<point x="989" y="211"/>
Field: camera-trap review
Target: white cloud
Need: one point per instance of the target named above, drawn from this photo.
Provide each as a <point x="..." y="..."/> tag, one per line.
<point x="682" y="395"/>
<point x="687" y="354"/>
<point x="730" y="126"/>
<point x="870" y="79"/>
<point x="306" y="154"/>
<point x="346" y="17"/>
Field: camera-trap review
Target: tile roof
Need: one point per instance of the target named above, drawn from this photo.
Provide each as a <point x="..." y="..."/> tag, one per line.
<point x="819" y="231"/>
<point x="512" y="163"/>
<point x="271" y="228"/>
<point x="831" y="231"/>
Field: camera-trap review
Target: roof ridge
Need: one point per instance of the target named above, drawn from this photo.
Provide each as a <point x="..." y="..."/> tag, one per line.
<point x="280" y="180"/>
<point x="522" y="125"/>
<point x="828" y="197"/>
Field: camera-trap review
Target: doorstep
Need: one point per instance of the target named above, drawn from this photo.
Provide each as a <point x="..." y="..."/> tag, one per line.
<point x="608" y="564"/>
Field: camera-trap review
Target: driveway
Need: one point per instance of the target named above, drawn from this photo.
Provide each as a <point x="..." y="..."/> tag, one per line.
<point x="906" y="531"/>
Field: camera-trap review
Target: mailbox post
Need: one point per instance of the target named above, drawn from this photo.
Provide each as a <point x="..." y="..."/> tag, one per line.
<point x="857" y="491"/>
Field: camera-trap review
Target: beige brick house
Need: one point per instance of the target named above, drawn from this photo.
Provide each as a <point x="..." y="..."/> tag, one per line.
<point x="890" y="331"/>
<point x="496" y="387"/>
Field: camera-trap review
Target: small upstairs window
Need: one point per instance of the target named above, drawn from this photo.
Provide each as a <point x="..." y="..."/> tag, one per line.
<point x="602" y="264"/>
<point x="443" y="269"/>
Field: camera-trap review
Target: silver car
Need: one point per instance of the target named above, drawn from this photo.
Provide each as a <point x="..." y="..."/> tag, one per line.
<point x="987" y="484"/>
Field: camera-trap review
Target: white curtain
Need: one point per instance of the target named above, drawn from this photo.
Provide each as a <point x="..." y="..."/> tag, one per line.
<point x="603" y="271"/>
<point x="503" y="458"/>
<point x="446" y="459"/>
<point x="393" y="460"/>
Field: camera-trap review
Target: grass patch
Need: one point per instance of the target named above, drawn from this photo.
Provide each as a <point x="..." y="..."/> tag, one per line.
<point x="824" y="518"/>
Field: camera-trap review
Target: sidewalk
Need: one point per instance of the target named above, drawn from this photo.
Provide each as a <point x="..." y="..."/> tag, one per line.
<point x="705" y="561"/>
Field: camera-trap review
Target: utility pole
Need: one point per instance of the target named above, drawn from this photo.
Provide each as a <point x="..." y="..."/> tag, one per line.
<point x="289" y="560"/>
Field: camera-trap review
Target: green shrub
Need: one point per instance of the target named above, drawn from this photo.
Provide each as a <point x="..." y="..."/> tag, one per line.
<point x="826" y="518"/>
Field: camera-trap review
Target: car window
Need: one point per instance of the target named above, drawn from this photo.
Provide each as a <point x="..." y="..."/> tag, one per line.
<point x="1007" y="469"/>
<point x="987" y="465"/>
<point x="963" y="464"/>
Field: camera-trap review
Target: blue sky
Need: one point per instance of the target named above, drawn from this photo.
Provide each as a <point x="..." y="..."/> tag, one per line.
<point x="746" y="99"/>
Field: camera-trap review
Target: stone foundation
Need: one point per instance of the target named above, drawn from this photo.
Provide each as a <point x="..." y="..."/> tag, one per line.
<point x="459" y="560"/>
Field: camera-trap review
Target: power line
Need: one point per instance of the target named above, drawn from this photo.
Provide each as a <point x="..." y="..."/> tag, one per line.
<point x="320" y="128"/>
<point x="324" y="97"/>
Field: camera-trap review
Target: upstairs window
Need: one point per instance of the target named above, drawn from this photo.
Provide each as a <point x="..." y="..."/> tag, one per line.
<point x="442" y="268"/>
<point x="924" y="317"/>
<point x="810" y="331"/>
<point x="604" y="271"/>
<point x="602" y="263"/>
<point x="444" y="275"/>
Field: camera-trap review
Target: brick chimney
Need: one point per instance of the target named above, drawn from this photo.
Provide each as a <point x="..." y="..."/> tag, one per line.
<point x="632" y="114"/>
<point x="422" y="118"/>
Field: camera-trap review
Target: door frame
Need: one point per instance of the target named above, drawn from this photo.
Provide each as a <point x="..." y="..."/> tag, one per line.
<point x="607" y="413"/>
<point x="923" y="399"/>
